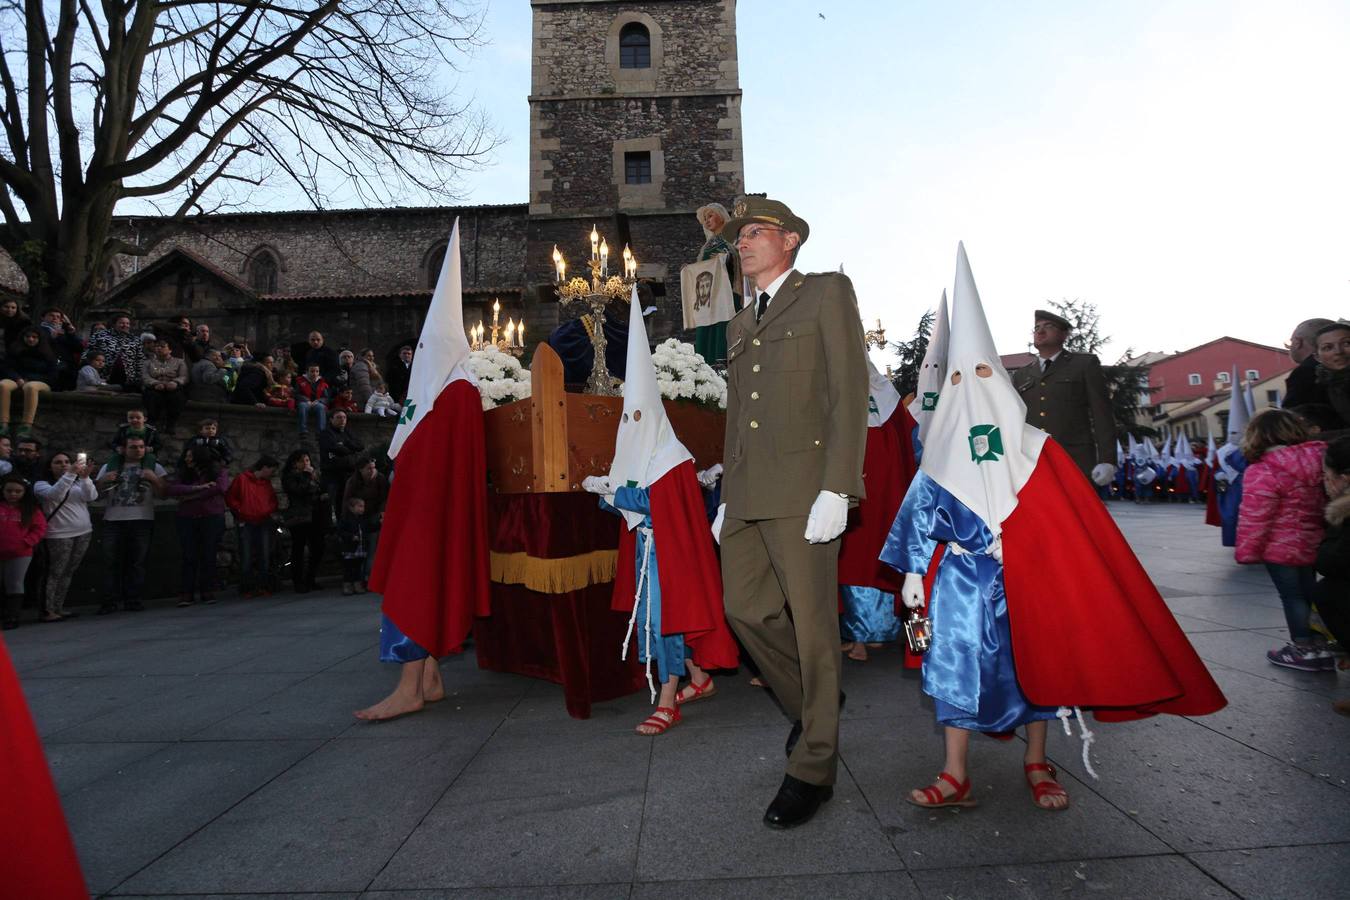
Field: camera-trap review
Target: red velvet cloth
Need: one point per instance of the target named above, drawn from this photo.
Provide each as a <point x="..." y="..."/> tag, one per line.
<point x="888" y="468"/>
<point x="432" y="561"/>
<point x="38" y="856"/>
<point x="690" y="576"/>
<point x="572" y="639"/>
<point x="1088" y="627"/>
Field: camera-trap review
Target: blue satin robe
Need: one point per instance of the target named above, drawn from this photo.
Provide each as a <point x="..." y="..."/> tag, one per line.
<point x="968" y="670"/>
<point x="397" y="647"/>
<point x="667" y="651"/>
<point x="1231" y="499"/>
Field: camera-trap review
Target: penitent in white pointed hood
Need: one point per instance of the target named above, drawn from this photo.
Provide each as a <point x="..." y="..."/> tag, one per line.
<point x="932" y="371"/>
<point x="646" y="447"/>
<point x="442" y="348"/>
<point x="979" y="446"/>
<point x="882" y="397"/>
<point x="1238" y="413"/>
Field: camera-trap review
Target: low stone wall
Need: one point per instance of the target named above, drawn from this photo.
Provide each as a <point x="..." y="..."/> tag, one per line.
<point x="72" y="421"/>
<point x="75" y="422"/>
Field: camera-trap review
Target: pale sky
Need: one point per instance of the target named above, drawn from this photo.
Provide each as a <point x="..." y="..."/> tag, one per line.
<point x="1183" y="165"/>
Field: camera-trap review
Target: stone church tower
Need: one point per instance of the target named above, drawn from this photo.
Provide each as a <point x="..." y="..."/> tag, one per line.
<point x="635" y="122"/>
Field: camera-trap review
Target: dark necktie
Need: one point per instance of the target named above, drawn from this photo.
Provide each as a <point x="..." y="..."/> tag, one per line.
<point x="1046" y="367"/>
<point x="762" y="305"/>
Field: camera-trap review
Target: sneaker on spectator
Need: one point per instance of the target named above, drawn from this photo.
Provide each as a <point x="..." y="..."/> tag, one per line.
<point x="1304" y="659"/>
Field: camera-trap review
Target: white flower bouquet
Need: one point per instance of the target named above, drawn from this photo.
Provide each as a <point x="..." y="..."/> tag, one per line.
<point x="681" y="374"/>
<point x="501" y="378"/>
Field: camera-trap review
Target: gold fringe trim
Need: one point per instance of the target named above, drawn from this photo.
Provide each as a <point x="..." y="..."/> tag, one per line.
<point x="554" y="576"/>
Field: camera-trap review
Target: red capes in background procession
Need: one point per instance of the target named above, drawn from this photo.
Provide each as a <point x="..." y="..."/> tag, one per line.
<point x="888" y="468"/>
<point x="432" y="561"/>
<point x="38" y="858"/>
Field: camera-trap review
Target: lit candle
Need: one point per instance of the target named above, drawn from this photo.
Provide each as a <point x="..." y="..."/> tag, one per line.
<point x="520" y="333"/>
<point x="595" y="243"/>
<point x="632" y="266"/>
<point x="510" y="331"/>
<point x="558" y="265"/>
<point x="496" y="308"/>
<point x="604" y="258"/>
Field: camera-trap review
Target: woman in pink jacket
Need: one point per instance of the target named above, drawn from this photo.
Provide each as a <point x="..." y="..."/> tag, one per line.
<point x="1280" y="524"/>
<point x="22" y="525"/>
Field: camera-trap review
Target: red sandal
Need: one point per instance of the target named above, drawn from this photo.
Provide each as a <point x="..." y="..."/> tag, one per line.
<point x="932" y="795"/>
<point x="1042" y="789"/>
<point x="657" y="722"/>
<point x="700" y="691"/>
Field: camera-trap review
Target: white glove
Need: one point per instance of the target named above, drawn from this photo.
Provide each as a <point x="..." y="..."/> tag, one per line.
<point x="717" y="522"/>
<point x="708" y="477"/>
<point x="996" y="549"/>
<point x="911" y="592"/>
<point x="829" y="515"/>
<point x="1102" y="473"/>
<point x="596" y="484"/>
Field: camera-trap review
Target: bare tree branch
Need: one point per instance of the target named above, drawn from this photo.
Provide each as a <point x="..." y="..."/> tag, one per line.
<point x="186" y="104"/>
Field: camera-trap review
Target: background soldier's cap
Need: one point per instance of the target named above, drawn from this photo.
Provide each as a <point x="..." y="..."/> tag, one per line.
<point x="769" y="212"/>
<point x="1044" y="315"/>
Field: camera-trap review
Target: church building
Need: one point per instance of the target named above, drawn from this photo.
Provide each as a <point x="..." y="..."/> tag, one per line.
<point x="635" y="122"/>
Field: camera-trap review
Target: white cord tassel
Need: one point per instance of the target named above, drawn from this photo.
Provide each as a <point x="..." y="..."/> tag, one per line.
<point x="1064" y="714"/>
<point x="643" y="580"/>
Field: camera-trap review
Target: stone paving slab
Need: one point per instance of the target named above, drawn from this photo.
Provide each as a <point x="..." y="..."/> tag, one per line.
<point x="211" y="752"/>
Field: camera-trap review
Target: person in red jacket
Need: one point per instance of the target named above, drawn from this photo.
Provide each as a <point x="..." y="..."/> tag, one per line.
<point x="1280" y="524"/>
<point x="311" y="393"/>
<point x="253" y="501"/>
<point x="22" y="525"/>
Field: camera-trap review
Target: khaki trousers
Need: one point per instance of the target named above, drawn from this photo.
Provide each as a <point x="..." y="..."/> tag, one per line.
<point x="782" y="599"/>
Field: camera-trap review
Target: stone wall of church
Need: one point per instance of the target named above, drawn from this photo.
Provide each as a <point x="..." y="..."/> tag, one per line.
<point x="370" y="251"/>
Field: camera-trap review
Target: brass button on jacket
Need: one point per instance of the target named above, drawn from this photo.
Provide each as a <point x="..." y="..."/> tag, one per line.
<point x="754" y="424"/>
<point x="754" y="395"/>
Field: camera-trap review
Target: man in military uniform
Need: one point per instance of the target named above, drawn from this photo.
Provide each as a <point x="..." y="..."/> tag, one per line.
<point x="1066" y="395"/>
<point x="796" y="428"/>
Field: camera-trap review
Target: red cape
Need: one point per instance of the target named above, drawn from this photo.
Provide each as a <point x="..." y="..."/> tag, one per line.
<point x="39" y="856"/>
<point x="432" y="561"/>
<point x="888" y="468"/>
<point x="1089" y="629"/>
<point x="691" y="579"/>
<point x="1212" y="516"/>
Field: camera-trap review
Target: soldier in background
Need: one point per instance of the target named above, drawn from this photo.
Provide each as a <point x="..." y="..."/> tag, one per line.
<point x="1066" y="395"/>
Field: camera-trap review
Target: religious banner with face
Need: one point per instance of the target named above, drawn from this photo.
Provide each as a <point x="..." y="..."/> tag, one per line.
<point x="705" y="290"/>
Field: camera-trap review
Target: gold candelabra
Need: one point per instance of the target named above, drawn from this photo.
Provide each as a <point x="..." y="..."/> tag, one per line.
<point x="511" y="339"/>
<point x="596" y="294"/>
<point x="875" y="337"/>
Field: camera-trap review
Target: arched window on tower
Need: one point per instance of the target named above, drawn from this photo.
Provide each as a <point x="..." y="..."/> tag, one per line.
<point x="435" y="260"/>
<point x="635" y="46"/>
<point x="262" y="273"/>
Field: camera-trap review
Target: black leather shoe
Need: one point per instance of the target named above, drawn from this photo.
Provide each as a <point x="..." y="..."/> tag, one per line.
<point x="795" y="734"/>
<point x="796" y="803"/>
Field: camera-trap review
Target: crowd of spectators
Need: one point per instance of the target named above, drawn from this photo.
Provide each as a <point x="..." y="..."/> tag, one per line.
<point x="46" y="528"/>
<point x="170" y="363"/>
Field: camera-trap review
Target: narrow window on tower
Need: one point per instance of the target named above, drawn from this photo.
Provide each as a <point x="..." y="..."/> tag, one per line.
<point x="637" y="167"/>
<point x="635" y="46"/>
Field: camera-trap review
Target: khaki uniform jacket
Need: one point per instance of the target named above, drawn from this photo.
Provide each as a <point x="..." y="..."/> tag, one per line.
<point x="1072" y="404"/>
<point x="796" y="400"/>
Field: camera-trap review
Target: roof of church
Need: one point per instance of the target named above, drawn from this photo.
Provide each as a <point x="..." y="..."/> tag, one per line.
<point x="363" y="210"/>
